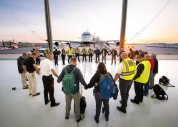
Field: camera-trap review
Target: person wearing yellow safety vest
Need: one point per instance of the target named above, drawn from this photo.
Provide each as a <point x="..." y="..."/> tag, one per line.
<point x="46" y="52"/>
<point x="70" y="53"/>
<point x="141" y="78"/>
<point x="125" y="74"/>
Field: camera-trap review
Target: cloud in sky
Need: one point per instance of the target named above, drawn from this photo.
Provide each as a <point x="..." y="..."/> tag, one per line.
<point x="24" y="20"/>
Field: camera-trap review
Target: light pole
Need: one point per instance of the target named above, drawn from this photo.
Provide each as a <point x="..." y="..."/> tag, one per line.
<point x="48" y="25"/>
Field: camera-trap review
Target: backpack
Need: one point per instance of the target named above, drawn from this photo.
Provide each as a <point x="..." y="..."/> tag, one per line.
<point x="160" y="93"/>
<point x="68" y="82"/>
<point x="106" y="86"/>
<point x="165" y="81"/>
<point x="115" y="92"/>
<point x="83" y="105"/>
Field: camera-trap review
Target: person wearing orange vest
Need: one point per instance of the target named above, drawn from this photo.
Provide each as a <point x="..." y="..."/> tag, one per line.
<point x="125" y="74"/>
<point x="141" y="78"/>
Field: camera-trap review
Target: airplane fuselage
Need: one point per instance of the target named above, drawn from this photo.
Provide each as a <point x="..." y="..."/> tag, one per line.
<point x="86" y="37"/>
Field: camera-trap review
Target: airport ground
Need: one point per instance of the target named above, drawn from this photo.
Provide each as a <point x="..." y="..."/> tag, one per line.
<point x="18" y="109"/>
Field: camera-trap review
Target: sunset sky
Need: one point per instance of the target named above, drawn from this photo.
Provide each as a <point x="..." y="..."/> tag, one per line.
<point x="147" y="20"/>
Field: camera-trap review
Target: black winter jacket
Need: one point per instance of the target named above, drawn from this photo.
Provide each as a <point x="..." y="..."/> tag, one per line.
<point x="95" y="80"/>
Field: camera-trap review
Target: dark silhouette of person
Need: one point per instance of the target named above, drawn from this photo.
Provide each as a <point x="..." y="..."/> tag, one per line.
<point x="84" y="51"/>
<point x="90" y="54"/>
<point x="97" y="53"/>
<point x="63" y="55"/>
<point x="104" y="52"/>
<point x="113" y="56"/>
<point x="56" y="53"/>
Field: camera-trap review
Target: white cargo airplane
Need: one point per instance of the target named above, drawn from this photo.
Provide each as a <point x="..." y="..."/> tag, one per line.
<point x="87" y="39"/>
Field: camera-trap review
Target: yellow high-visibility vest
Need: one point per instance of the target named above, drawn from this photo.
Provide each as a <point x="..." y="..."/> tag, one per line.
<point x="146" y="72"/>
<point x="129" y="69"/>
<point x="70" y="52"/>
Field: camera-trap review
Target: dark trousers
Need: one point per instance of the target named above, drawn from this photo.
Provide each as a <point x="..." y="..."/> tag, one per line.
<point x="56" y="60"/>
<point x="124" y="86"/>
<point x="146" y="88"/>
<point x="38" y="60"/>
<point x="97" y="58"/>
<point x="104" y="59"/>
<point x="90" y="57"/>
<point x="138" y="91"/>
<point x="63" y="59"/>
<point x="99" y="104"/>
<point x="84" y="57"/>
<point x="77" y="56"/>
<point x="69" y="57"/>
<point x="113" y="59"/>
<point x="148" y="84"/>
<point x="48" y="83"/>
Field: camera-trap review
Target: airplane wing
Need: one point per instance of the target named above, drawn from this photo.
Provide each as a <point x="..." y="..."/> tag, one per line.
<point x="66" y="41"/>
<point x="108" y="44"/>
<point x="98" y="43"/>
<point x="70" y="43"/>
<point x="73" y="43"/>
<point x="110" y="41"/>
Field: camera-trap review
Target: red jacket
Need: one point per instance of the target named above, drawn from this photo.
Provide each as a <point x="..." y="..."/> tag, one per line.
<point x="152" y="63"/>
